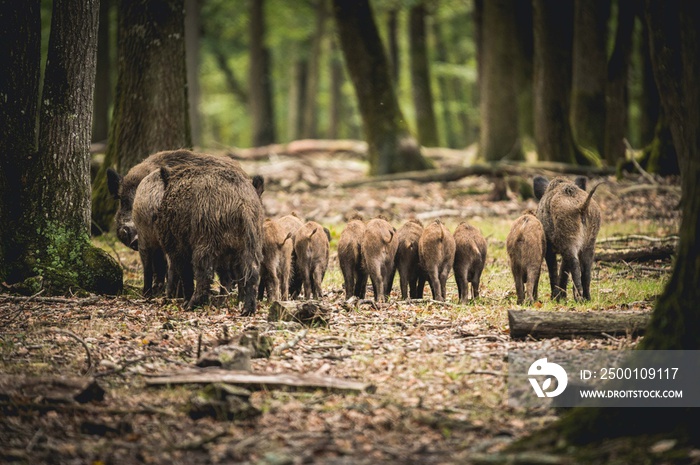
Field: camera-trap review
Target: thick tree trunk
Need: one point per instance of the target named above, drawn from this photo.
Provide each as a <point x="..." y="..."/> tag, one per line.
<point x="589" y="74"/>
<point x="20" y="55"/>
<point x="55" y="201"/>
<point x="336" y="109"/>
<point x="616" y="93"/>
<point x="192" y="36"/>
<point x="150" y="108"/>
<point x="523" y="68"/>
<point x="553" y="21"/>
<point x="260" y="79"/>
<point x="103" y="79"/>
<point x="650" y="105"/>
<point x="391" y="147"/>
<point x="446" y="97"/>
<point x="297" y="98"/>
<point x="392" y="26"/>
<point x="499" y="118"/>
<point x="310" y="129"/>
<point x="426" y="124"/>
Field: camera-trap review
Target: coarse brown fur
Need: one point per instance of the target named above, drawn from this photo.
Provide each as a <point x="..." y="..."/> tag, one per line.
<point x="350" y="258"/>
<point x="411" y="276"/>
<point x="378" y="253"/>
<point x="211" y="216"/>
<point x="311" y="246"/>
<point x="526" y="244"/>
<point x="470" y="258"/>
<point x="571" y="221"/>
<point x="436" y="251"/>
<point x="274" y="240"/>
<point x="290" y="279"/>
<point x="123" y="188"/>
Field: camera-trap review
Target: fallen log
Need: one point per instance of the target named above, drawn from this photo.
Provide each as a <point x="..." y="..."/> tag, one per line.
<point x="644" y="254"/>
<point x="49" y="389"/>
<point x="524" y="323"/>
<point x="261" y="381"/>
<point x="309" y="313"/>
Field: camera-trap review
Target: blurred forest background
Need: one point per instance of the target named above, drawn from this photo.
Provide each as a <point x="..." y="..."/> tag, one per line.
<point x="464" y="72"/>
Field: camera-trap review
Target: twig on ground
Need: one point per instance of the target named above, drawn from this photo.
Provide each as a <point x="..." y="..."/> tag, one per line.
<point x="288" y="345"/>
<point x="71" y="334"/>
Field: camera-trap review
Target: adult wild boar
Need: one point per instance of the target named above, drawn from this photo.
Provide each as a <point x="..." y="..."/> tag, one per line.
<point x="378" y="254"/>
<point x="469" y="261"/>
<point x="411" y="276"/>
<point x="211" y="216"/>
<point x="436" y="251"/>
<point x="274" y="241"/>
<point x="350" y="258"/>
<point x="526" y="245"/>
<point x="571" y="220"/>
<point x="123" y="188"/>
<point x="311" y="246"/>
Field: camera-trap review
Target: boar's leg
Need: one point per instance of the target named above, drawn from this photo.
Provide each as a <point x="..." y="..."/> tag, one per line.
<point x="434" y="280"/>
<point x="443" y="282"/>
<point x="160" y="270"/>
<point x="204" y="275"/>
<point x="180" y="274"/>
<point x="573" y="264"/>
<point x="295" y="278"/>
<point x="316" y="280"/>
<point x="248" y="288"/>
<point x="533" y="281"/>
<point x="389" y="280"/>
<point x="476" y="280"/>
<point x="360" y="283"/>
<point x="284" y="279"/>
<point x="551" y="258"/>
<point x="147" y="263"/>
<point x="462" y="285"/>
<point x="348" y="270"/>
<point x="403" y="284"/>
<point x="519" y="277"/>
<point x="586" y="266"/>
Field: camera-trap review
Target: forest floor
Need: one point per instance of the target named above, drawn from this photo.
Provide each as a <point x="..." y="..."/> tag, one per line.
<point x="438" y="369"/>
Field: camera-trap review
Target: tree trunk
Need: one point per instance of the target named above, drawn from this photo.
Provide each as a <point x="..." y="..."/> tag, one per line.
<point x="20" y="55"/>
<point x="336" y="109"/>
<point x="553" y="21"/>
<point x="297" y="98"/>
<point x="523" y="68"/>
<point x="420" y="78"/>
<point x="499" y="119"/>
<point x="192" y="36"/>
<point x="391" y="147"/>
<point x="52" y="233"/>
<point x="616" y="93"/>
<point x="650" y="106"/>
<point x="150" y="108"/>
<point x="310" y="130"/>
<point x="446" y="96"/>
<point x="103" y="79"/>
<point x="260" y="79"/>
<point x="392" y="27"/>
<point x="590" y="74"/>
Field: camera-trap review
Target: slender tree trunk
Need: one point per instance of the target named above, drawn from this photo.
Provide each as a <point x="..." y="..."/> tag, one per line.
<point x="392" y="149"/>
<point x="553" y="25"/>
<point x="103" y="79"/>
<point x="446" y="94"/>
<point x="392" y="22"/>
<point x="20" y="55"/>
<point x="310" y="129"/>
<point x="150" y="108"/>
<point x="590" y="74"/>
<point x="426" y="123"/>
<point x="192" y="44"/>
<point x="650" y="105"/>
<point x="260" y="78"/>
<point x="616" y="124"/>
<point x="53" y="230"/>
<point x="523" y="67"/>
<point x="499" y="116"/>
<point x="297" y="98"/>
<point x="336" y="110"/>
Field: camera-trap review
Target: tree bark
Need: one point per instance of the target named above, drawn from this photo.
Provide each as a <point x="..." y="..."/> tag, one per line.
<point x="553" y="21"/>
<point x="590" y="74"/>
<point x="260" y="79"/>
<point x="524" y="323"/>
<point x="103" y="79"/>
<point x="52" y="231"/>
<point x="192" y="44"/>
<point x="650" y="104"/>
<point x="297" y="98"/>
<point x="391" y="147"/>
<point x="616" y="93"/>
<point x="499" y="119"/>
<point x="150" y="108"/>
<point x="392" y="26"/>
<point x="310" y="129"/>
<point x="336" y="108"/>
<point x="426" y="124"/>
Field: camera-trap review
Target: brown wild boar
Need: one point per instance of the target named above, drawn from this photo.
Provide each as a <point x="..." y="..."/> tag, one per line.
<point x="290" y="278"/>
<point x="411" y="276"/>
<point x="378" y="254"/>
<point x="123" y="188"/>
<point x="470" y="258"/>
<point x="147" y="200"/>
<point x="350" y="258"/>
<point x="571" y="220"/>
<point x="274" y="240"/>
<point x="526" y="244"/>
<point x="311" y="246"/>
<point x="211" y="216"/>
<point x="436" y="251"/>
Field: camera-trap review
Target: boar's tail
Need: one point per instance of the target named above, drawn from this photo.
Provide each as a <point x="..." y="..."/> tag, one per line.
<point x="281" y="244"/>
<point x="587" y="202"/>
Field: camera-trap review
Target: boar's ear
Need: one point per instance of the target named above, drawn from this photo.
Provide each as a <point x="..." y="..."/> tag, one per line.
<point x="539" y="185"/>
<point x="580" y="181"/>
<point x="165" y="175"/>
<point x="259" y="184"/>
<point x="114" y="180"/>
<point x="328" y="233"/>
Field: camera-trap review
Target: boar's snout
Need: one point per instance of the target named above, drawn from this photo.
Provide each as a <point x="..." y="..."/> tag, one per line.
<point x="127" y="234"/>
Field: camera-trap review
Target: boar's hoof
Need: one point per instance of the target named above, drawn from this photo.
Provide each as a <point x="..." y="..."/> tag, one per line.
<point x="248" y="312"/>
